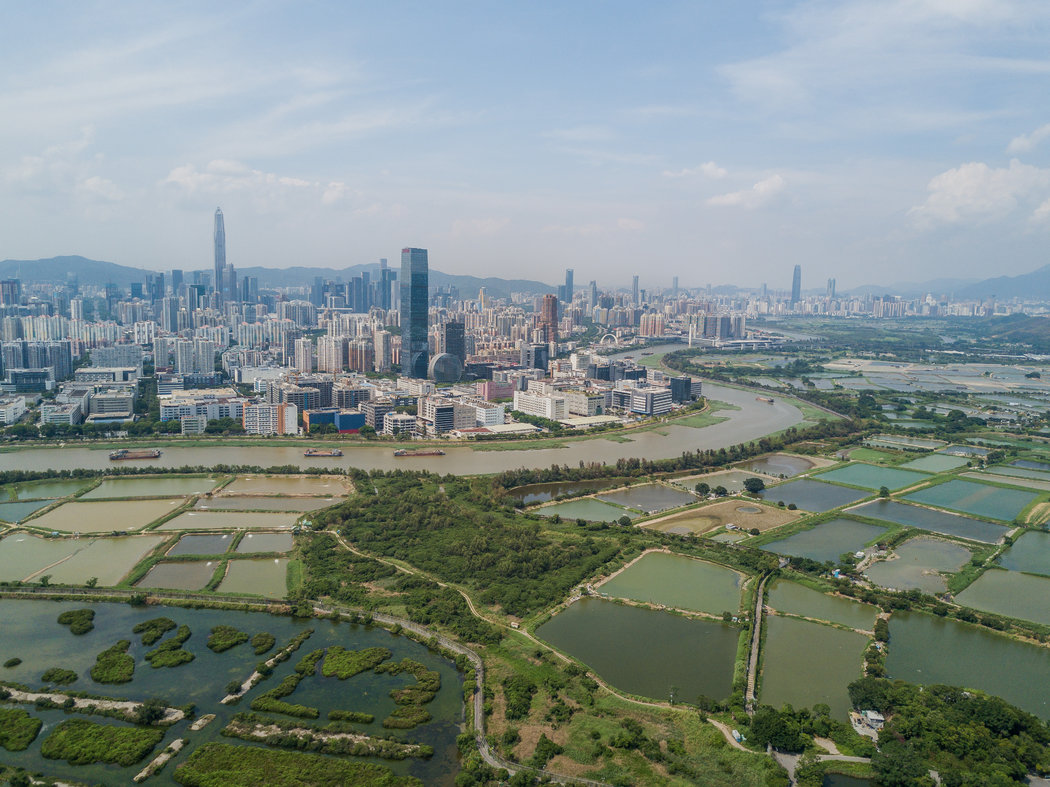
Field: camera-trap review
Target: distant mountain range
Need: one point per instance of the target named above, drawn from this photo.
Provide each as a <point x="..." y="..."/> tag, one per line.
<point x="1028" y="285"/>
<point x="57" y="269"/>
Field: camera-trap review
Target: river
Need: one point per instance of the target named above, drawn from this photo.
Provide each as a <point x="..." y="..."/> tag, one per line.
<point x="753" y="420"/>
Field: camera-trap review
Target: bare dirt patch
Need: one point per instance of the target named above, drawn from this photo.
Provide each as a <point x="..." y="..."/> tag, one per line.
<point x="745" y="514"/>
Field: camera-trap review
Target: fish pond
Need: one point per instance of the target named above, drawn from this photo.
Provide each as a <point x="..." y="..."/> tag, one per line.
<point x="647" y="652"/>
<point x="543" y="493"/>
<point x="919" y="564"/>
<point x="108" y="560"/>
<point x="16" y="512"/>
<point x="589" y="508"/>
<point x="150" y="487"/>
<point x="780" y="465"/>
<point x="253" y="503"/>
<point x="223" y="520"/>
<point x="257" y="577"/>
<point x="828" y="540"/>
<point x="104" y="516"/>
<point x="202" y="545"/>
<point x="805" y="663"/>
<point x="813" y="495"/>
<point x="795" y="599"/>
<point x="35" y="490"/>
<point x="1010" y="593"/>
<point x="732" y="480"/>
<point x="1019" y="472"/>
<point x="932" y="520"/>
<point x="993" y="502"/>
<point x="1029" y="553"/>
<point x="180" y="575"/>
<point x="265" y="542"/>
<point x="678" y="581"/>
<point x="32" y="634"/>
<point x="929" y="650"/>
<point x="935" y="463"/>
<point x="873" y="476"/>
<point x="1032" y="465"/>
<point x="320" y="486"/>
<point x="649" y="498"/>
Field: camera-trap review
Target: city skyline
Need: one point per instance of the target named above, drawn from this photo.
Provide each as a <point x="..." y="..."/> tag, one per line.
<point x="903" y="137"/>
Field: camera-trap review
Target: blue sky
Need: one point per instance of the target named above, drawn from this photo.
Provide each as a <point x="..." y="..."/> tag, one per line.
<point x="880" y="141"/>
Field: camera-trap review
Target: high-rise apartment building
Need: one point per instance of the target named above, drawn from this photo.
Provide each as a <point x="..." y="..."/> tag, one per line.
<point x="549" y="318"/>
<point x="331" y="354"/>
<point x="220" y="250"/>
<point x="415" y="284"/>
<point x="304" y="356"/>
<point x="796" y="285"/>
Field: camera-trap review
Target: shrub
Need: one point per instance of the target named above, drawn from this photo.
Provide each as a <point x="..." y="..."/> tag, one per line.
<point x="62" y="677"/>
<point x="114" y="665"/>
<point x="80" y="621"/>
<point x="262" y="642"/>
<point x="225" y="637"/>
<point x="153" y="630"/>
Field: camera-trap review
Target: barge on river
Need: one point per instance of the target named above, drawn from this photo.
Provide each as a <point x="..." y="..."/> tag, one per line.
<point x="140" y="453"/>
<point x="421" y="452"/>
<point x="322" y="452"/>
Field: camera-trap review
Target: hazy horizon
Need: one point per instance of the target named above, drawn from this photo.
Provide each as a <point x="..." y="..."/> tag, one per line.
<point x="875" y="142"/>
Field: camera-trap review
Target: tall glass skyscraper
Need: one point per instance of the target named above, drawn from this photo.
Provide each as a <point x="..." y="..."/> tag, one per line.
<point x="796" y="285"/>
<point x="220" y="250"/>
<point x="415" y="298"/>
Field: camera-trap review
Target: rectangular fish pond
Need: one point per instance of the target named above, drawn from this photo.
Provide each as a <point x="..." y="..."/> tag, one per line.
<point x="813" y="495"/>
<point x="933" y="520"/>
<point x="873" y="476"/>
<point x="1010" y="593"/>
<point x="647" y="652"/>
<point x="678" y="581"/>
<point x="828" y="540"/>
<point x="649" y="498"/>
<point x="795" y="599"/>
<point x="993" y="502"/>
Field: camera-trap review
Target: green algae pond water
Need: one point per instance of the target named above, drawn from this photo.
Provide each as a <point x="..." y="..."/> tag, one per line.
<point x="873" y="476"/>
<point x="935" y="463"/>
<point x="590" y="509"/>
<point x="1029" y="553"/>
<point x="796" y="599"/>
<point x="828" y="540"/>
<point x="647" y="652"/>
<point x="678" y="581"/>
<point x="543" y="493"/>
<point x="28" y="630"/>
<point x="150" y="487"/>
<point x="813" y="495"/>
<point x="918" y="565"/>
<point x="805" y="663"/>
<point x="993" y="502"/>
<point x="934" y="521"/>
<point x="1010" y="593"/>
<point x="928" y="650"/>
<point x="34" y="490"/>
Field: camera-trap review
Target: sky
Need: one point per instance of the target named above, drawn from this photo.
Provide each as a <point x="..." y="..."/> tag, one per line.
<point x="875" y="141"/>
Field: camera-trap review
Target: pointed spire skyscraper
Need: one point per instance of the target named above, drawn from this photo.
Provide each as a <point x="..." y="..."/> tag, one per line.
<point x="220" y="251"/>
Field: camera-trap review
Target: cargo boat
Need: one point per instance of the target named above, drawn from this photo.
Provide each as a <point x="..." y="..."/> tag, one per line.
<point x="766" y="399"/>
<point x="141" y="453"/>
<point x="422" y="452"/>
<point x="322" y="452"/>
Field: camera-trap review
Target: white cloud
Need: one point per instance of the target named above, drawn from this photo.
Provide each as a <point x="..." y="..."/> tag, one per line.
<point x="1042" y="213"/>
<point x="708" y="169"/>
<point x="103" y="188"/>
<point x="975" y="191"/>
<point x="1026" y="143"/>
<point x="224" y="176"/>
<point x="757" y="195"/>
